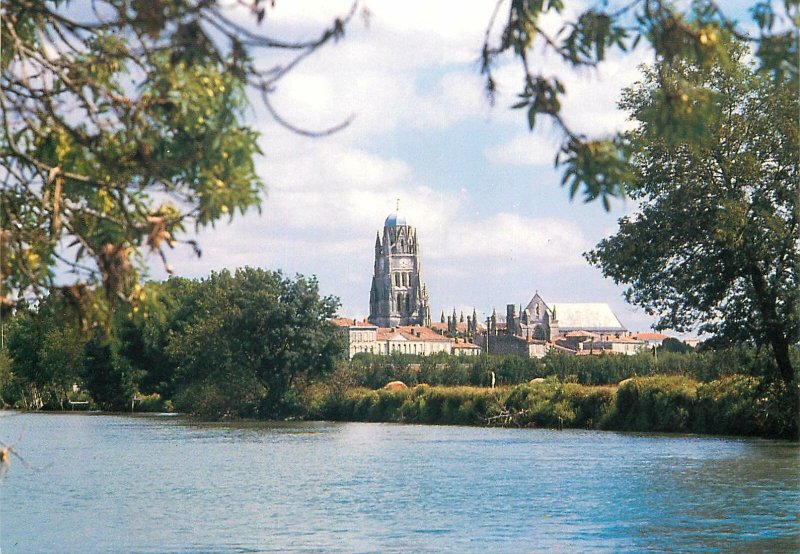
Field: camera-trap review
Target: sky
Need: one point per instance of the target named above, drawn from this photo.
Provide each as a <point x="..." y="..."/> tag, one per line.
<point x="493" y="223"/>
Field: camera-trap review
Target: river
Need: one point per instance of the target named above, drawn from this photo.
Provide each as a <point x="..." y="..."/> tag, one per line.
<point x="105" y="483"/>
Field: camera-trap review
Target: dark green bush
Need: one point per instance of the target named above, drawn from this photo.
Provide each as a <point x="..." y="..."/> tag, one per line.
<point x="655" y="403"/>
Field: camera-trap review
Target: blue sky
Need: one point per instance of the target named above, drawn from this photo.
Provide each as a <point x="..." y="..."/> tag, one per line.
<point x="493" y="222"/>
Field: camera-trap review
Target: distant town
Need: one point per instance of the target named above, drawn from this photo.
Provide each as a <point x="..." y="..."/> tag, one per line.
<point x="400" y="319"/>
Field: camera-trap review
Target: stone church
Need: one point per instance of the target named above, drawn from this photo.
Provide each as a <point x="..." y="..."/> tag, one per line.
<point x="397" y="296"/>
<point x="538" y="321"/>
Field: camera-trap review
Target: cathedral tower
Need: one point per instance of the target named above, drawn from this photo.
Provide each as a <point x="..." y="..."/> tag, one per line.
<point x="397" y="296"/>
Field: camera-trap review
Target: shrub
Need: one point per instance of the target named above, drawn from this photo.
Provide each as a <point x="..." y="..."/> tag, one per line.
<point x="149" y="403"/>
<point x="728" y="406"/>
<point x="215" y="399"/>
<point x="556" y="404"/>
<point x="736" y="404"/>
<point x="655" y="403"/>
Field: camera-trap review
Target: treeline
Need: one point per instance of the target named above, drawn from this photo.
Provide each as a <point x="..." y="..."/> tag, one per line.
<point x="374" y="371"/>
<point x="229" y="345"/>
<point x="734" y="404"/>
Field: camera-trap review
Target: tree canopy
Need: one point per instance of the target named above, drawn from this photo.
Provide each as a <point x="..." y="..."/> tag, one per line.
<point x="677" y="32"/>
<point x="237" y="344"/>
<point x="123" y="128"/>
<point x="716" y="239"/>
<point x="242" y="339"/>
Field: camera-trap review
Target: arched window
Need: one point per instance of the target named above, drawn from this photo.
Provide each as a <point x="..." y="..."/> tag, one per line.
<point x="397" y="279"/>
<point x="399" y="302"/>
<point x="539" y="333"/>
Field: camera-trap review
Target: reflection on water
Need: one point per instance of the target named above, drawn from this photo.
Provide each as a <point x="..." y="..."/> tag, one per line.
<point x="141" y="484"/>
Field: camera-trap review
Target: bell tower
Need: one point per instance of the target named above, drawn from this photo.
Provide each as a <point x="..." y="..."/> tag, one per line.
<point x="397" y="296"/>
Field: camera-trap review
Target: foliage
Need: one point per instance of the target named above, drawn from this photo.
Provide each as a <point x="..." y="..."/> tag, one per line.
<point x="45" y="353"/>
<point x="715" y="238"/>
<point x="375" y="371"/>
<point x="656" y="403"/>
<point x="8" y="388"/>
<point x="109" y="377"/>
<point x="736" y="405"/>
<point x="243" y="344"/>
<point x="244" y="338"/>
<point x="556" y="404"/>
<point x="421" y="404"/>
<point x="696" y="33"/>
<point x="149" y="403"/>
<point x="672" y="344"/>
<point x="123" y="127"/>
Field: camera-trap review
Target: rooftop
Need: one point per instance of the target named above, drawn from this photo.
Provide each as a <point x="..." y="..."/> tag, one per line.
<point x="592" y="316"/>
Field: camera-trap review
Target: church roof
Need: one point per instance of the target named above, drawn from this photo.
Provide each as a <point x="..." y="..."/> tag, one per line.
<point x="593" y="317"/>
<point x="395" y="219"/>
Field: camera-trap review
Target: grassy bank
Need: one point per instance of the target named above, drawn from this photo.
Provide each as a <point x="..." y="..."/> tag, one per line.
<point x="733" y="405"/>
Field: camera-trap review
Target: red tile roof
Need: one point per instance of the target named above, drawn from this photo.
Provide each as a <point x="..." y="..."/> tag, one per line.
<point x="651" y="336"/>
<point x="466" y="346"/>
<point x="347" y="322"/>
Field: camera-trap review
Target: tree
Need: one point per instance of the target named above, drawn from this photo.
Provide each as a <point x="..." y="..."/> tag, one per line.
<point x="677" y="32"/>
<point x="109" y="377"/>
<point x="122" y="129"/>
<point x="45" y="348"/>
<point x="143" y="335"/>
<point x="716" y="240"/>
<point x="672" y="344"/>
<point x="247" y="337"/>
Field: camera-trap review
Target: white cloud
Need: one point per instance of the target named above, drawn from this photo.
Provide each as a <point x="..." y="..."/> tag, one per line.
<point x="509" y="242"/>
<point x="534" y="149"/>
<point x="413" y="71"/>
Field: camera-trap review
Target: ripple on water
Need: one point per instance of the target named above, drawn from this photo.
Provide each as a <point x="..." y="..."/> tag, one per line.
<point x="137" y="484"/>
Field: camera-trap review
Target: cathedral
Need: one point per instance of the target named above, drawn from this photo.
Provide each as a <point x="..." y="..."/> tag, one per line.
<point x="397" y="296"/>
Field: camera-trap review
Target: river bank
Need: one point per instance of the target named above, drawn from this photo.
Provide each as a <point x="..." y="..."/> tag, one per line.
<point x="734" y="405"/>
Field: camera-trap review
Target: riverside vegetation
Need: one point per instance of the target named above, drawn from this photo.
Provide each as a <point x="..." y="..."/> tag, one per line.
<point x="255" y="344"/>
<point x="725" y="391"/>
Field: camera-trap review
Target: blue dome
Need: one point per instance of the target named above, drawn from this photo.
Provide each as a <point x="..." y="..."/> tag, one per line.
<point x="395" y="219"/>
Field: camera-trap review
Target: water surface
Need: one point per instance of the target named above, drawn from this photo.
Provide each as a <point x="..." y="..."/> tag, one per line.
<point x="104" y="483"/>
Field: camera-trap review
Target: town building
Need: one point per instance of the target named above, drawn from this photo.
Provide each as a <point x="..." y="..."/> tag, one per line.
<point x="651" y="340"/>
<point x="363" y="337"/>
